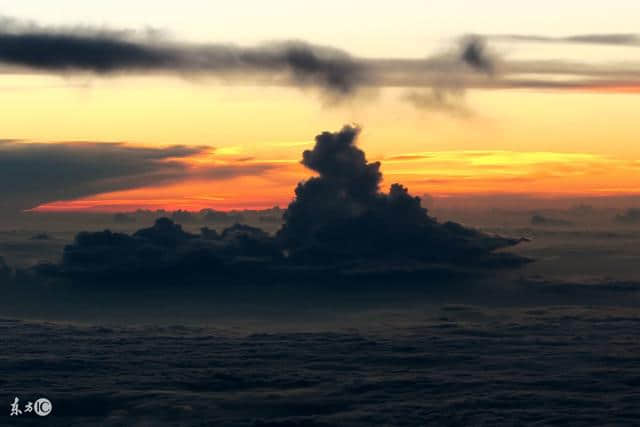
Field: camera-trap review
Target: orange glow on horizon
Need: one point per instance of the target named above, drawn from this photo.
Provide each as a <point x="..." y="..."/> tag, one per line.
<point x="438" y="173"/>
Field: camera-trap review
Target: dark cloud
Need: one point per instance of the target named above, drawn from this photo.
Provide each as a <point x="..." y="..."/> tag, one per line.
<point x="620" y="39"/>
<point x="615" y="39"/>
<point x="96" y="50"/>
<point x="41" y="236"/>
<point x="583" y="76"/>
<point x="35" y="173"/>
<point x="164" y="251"/>
<point x="339" y="220"/>
<point x="102" y="51"/>
<point x="474" y="53"/>
<point x="445" y="76"/>
<point x="471" y="65"/>
<point x="474" y="65"/>
<point x="342" y="215"/>
<point x="447" y="90"/>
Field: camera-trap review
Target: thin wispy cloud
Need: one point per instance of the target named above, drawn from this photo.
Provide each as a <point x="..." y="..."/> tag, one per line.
<point x="619" y="39"/>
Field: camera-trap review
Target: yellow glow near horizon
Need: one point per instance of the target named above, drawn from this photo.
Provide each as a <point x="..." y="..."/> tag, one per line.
<point x="558" y="141"/>
<point x="542" y="141"/>
<point x="436" y="173"/>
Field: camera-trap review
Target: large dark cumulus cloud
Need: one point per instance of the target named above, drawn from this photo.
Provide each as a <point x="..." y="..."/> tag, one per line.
<point x="35" y="173"/>
<point x="342" y="215"/>
<point x="339" y="222"/>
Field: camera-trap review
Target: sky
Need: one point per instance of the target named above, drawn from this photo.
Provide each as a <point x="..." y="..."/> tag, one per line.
<point x="551" y="112"/>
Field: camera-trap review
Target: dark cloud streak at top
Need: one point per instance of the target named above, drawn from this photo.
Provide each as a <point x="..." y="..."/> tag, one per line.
<point x="90" y="50"/>
<point x="472" y="65"/>
<point x="94" y="50"/>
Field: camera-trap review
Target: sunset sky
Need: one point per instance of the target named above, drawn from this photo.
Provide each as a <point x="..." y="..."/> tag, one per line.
<point x="556" y="113"/>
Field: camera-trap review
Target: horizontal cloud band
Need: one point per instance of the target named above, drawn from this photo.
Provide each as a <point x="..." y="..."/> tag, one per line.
<point x="445" y="76"/>
<point x="36" y="173"/>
